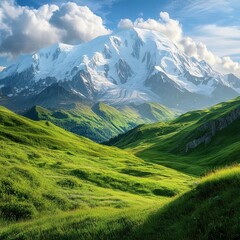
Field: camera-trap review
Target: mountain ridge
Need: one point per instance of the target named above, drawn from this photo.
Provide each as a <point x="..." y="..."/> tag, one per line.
<point x="125" y="67"/>
<point x="98" y="121"/>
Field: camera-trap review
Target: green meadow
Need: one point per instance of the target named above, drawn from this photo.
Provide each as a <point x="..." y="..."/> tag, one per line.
<point x="57" y="185"/>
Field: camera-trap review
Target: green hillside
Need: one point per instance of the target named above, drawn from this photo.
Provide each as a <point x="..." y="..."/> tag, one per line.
<point x="57" y="185"/>
<point x="166" y="143"/>
<point x="47" y="170"/>
<point x="209" y="211"/>
<point x="100" y="122"/>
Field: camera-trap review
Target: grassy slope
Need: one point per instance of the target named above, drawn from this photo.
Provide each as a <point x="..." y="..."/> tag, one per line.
<point x="72" y="188"/>
<point x="48" y="171"/>
<point x="100" y="122"/>
<point x="209" y="211"/>
<point x="165" y="143"/>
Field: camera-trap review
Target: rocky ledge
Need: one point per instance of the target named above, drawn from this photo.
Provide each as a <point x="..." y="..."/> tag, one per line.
<point x="211" y="128"/>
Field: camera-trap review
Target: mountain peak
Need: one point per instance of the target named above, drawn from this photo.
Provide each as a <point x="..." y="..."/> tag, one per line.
<point x="133" y="65"/>
<point x="55" y="47"/>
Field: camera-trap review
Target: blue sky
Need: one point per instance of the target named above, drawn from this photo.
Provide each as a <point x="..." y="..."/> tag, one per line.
<point x="190" y="13"/>
<point x="216" y="23"/>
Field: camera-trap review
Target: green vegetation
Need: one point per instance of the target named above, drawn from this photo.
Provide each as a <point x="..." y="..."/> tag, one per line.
<point x="57" y="185"/>
<point x="165" y="143"/>
<point x="209" y="211"/>
<point x="47" y="170"/>
<point x="100" y="122"/>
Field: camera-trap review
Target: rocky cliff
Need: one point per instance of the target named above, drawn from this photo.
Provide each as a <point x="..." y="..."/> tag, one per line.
<point x="211" y="128"/>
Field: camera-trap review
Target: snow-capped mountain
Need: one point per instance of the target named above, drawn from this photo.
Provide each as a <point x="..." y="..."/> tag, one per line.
<point x="129" y="66"/>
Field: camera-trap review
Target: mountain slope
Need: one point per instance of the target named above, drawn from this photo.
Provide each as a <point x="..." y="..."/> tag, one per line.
<point x="99" y="121"/>
<point x="47" y="170"/>
<point x="193" y="142"/>
<point x="134" y="65"/>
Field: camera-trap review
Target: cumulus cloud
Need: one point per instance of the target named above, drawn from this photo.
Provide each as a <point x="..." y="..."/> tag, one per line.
<point x="199" y="51"/>
<point x="79" y="23"/>
<point x="226" y="37"/>
<point x="23" y="30"/>
<point x="125" y="24"/>
<point x="173" y="30"/>
<point x="166" y="25"/>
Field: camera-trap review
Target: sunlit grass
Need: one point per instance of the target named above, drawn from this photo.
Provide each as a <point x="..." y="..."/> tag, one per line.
<point x="57" y="185"/>
<point x="48" y="171"/>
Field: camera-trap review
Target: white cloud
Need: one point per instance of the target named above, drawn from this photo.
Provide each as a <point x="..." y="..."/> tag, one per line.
<point x="24" y="30"/>
<point x="222" y="40"/>
<point x="125" y="24"/>
<point x="173" y="30"/>
<point x="78" y="23"/>
<point x="166" y="25"/>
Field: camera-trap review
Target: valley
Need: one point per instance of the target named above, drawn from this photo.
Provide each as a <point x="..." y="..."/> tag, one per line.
<point x="57" y="184"/>
<point x="119" y="120"/>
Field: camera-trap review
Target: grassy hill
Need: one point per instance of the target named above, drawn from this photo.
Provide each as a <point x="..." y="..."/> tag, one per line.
<point x="99" y="121"/>
<point x="57" y="185"/>
<point x="46" y="170"/>
<point x="209" y="211"/>
<point x="166" y="143"/>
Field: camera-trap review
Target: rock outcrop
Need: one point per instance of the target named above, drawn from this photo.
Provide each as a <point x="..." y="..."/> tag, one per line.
<point x="211" y="128"/>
